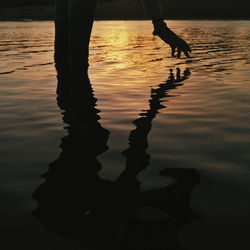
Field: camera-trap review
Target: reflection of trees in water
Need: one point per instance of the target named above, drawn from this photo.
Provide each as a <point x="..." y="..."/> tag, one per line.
<point x="74" y="202"/>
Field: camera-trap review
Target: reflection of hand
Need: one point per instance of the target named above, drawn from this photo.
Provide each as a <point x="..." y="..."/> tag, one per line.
<point x="169" y="37"/>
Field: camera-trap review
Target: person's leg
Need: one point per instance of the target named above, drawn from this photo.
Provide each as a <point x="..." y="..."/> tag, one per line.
<point x="62" y="36"/>
<point x="61" y="54"/>
<point x="81" y="16"/>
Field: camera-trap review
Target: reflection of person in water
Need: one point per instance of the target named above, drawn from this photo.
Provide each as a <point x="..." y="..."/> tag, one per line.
<point x="75" y="202"/>
<point x="74" y="20"/>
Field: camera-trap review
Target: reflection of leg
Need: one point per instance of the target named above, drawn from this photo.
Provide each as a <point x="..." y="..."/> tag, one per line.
<point x="61" y="36"/>
<point x="137" y="159"/>
<point x="81" y="16"/>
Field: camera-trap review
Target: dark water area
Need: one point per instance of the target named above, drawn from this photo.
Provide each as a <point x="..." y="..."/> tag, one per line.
<point x="150" y="135"/>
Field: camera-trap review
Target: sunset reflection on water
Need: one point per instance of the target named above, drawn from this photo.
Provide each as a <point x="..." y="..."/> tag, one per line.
<point x="204" y="124"/>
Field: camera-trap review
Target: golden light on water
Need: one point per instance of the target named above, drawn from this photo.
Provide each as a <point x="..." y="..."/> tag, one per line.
<point x="129" y="52"/>
<point x="205" y="124"/>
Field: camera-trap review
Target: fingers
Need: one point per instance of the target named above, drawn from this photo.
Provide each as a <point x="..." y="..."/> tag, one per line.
<point x="187" y="47"/>
<point x="186" y="53"/>
<point x="183" y="47"/>
<point x="178" y="75"/>
<point x="179" y="52"/>
<point x="173" y="48"/>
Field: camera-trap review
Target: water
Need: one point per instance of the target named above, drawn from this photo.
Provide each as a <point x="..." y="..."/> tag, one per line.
<point x="204" y="125"/>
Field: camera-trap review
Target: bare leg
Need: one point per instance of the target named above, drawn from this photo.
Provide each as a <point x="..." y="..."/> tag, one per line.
<point x="62" y="38"/>
<point x="81" y="16"/>
<point x="73" y="26"/>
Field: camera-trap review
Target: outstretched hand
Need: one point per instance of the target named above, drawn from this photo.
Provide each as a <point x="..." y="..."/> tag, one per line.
<point x="175" y="42"/>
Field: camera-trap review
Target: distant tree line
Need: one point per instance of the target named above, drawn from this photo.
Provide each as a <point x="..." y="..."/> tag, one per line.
<point x="132" y="9"/>
<point x="24" y="3"/>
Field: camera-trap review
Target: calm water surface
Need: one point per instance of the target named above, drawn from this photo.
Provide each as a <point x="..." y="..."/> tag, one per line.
<point x="205" y="123"/>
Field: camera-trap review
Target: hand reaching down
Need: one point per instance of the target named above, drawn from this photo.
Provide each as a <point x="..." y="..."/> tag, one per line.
<point x="169" y="37"/>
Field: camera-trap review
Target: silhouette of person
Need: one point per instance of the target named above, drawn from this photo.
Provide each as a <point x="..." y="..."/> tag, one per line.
<point x="73" y="25"/>
<point x="76" y="203"/>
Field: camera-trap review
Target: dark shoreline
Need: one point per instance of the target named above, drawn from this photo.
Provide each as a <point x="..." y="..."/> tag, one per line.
<point x="46" y="13"/>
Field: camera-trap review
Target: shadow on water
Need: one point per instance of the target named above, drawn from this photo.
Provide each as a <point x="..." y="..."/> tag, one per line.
<point x="74" y="202"/>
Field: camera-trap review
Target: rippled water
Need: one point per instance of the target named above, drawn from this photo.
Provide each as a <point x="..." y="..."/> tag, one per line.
<point x="205" y="123"/>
